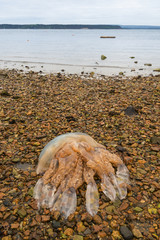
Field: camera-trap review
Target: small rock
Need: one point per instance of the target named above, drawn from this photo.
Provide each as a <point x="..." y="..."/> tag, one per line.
<point x="126" y="233"/>
<point x="45" y="218"/>
<point x="87" y="231"/>
<point x="121" y="149"/>
<point x="152" y="210"/>
<point x="22" y="213"/>
<point x="80" y="227"/>
<point x="110" y="209"/>
<point x="116" y="235"/>
<point x="96" y="228"/>
<point x="148" y="64"/>
<point x="137" y="233"/>
<point x="97" y="219"/>
<point x="56" y="215"/>
<point x="69" y="232"/>
<point x="30" y="192"/>
<point x="86" y="217"/>
<point x="14" y="225"/>
<point x="7" y="237"/>
<point x="123" y="206"/>
<point x="114" y="224"/>
<point x="56" y="224"/>
<point x="103" y="57"/>
<point x="129" y="111"/>
<point x="77" y="237"/>
<point x="50" y="232"/>
<point x="102" y="235"/>
<point x="155" y="140"/>
<point x="138" y="209"/>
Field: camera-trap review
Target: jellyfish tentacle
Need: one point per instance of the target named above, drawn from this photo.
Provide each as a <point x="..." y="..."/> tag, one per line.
<point x="108" y="188"/>
<point x="69" y="197"/>
<point x="66" y="165"/>
<point x="51" y="171"/>
<point x="92" y="196"/>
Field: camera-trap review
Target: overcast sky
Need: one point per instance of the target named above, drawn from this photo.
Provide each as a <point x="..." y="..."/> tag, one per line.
<point x="126" y="12"/>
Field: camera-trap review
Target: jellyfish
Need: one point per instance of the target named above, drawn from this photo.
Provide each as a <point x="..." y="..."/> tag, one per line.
<point x="68" y="161"/>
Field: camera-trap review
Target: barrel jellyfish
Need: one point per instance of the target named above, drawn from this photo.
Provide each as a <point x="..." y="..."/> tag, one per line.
<point x="68" y="161"/>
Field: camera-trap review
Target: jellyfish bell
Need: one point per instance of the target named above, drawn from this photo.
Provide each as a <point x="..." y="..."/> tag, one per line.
<point x="68" y="161"/>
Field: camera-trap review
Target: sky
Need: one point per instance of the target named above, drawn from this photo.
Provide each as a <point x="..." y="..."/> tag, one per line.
<point x="122" y="12"/>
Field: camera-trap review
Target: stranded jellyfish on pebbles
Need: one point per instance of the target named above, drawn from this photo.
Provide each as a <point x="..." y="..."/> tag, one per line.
<point x="67" y="162"/>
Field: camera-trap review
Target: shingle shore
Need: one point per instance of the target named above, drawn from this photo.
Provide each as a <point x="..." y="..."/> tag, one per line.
<point x="120" y="112"/>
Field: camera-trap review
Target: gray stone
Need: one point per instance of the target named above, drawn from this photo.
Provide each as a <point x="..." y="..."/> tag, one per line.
<point x="126" y="233"/>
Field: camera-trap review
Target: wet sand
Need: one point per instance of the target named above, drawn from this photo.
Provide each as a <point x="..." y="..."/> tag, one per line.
<point x="120" y="112"/>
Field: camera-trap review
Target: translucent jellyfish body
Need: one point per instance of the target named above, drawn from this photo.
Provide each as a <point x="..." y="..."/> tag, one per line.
<point x="67" y="162"/>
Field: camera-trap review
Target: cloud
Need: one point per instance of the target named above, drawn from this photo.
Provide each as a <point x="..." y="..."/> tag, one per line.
<point x="84" y="11"/>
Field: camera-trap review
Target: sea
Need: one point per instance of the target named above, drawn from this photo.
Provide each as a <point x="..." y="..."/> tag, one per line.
<point x="131" y="52"/>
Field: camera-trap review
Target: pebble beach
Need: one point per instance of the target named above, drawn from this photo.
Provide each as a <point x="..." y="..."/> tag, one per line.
<point x="120" y="112"/>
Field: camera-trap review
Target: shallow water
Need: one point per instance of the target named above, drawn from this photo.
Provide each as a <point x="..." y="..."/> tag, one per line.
<point x="81" y="50"/>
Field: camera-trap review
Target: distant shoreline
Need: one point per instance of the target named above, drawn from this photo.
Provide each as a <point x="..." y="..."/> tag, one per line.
<point x="58" y="26"/>
<point x="75" y="26"/>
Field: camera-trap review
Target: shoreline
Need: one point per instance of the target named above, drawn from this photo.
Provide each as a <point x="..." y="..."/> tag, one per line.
<point x="36" y="107"/>
<point x="54" y="68"/>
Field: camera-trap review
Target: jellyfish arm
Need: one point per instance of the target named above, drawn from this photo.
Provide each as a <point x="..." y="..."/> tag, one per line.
<point x="92" y="195"/>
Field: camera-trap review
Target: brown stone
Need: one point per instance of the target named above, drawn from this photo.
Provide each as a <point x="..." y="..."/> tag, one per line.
<point x="123" y="206"/>
<point x="27" y="233"/>
<point x="1" y="195"/>
<point x="33" y="205"/>
<point x="157" y="194"/>
<point x="114" y="224"/>
<point x="33" y="223"/>
<point x="102" y="234"/>
<point x="151" y="230"/>
<point x="56" y="215"/>
<point x="14" y="225"/>
<point x="69" y="232"/>
<point x="45" y="218"/>
<point x="86" y="217"/>
<point x="97" y="219"/>
<point x="80" y="227"/>
<point x="96" y="228"/>
<point x="38" y="218"/>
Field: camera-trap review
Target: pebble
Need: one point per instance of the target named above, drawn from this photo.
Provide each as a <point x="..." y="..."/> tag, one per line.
<point x="80" y="227"/>
<point x="69" y="232"/>
<point x="77" y="237"/>
<point x="123" y="206"/>
<point x="126" y="233"/>
<point x="56" y="224"/>
<point x="22" y="212"/>
<point x="138" y="209"/>
<point x="45" y="218"/>
<point x="137" y="233"/>
<point x="110" y="209"/>
<point x="97" y="219"/>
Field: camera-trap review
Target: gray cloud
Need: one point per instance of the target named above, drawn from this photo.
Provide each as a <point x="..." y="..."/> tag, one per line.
<point x="138" y="12"/>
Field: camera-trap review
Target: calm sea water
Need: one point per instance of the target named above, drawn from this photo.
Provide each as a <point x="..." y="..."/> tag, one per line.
<point x="81" y="50"/>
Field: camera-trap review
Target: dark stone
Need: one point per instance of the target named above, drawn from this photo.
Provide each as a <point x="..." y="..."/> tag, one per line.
<point x="70" y="119"/>
<point x="113" y="113"/>
<point x="12" y="121"/>
<point x="56" y="224"/>
<point x="5" y="94"/>
<point x="87" y="231"/>
<point x="7" y="202"/>
<point x="155" y="140"/>
<point x="121" y="149"/>
<point x="129" y="111"/>
<point x="126" y="233"/>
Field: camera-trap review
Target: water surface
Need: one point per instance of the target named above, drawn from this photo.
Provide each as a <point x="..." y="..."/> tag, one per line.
<point x="81" y="50"/>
